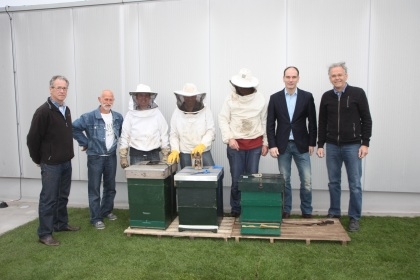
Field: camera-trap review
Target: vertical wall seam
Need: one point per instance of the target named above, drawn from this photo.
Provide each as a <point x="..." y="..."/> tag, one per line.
<point x="210" y="95"/>
<point x="18" y="134"/>
<point x="75" y="81"/>
<point x="368" y="77"/>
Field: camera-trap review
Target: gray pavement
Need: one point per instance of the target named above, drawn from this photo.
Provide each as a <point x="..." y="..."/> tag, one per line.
<point x="16" y="214"/>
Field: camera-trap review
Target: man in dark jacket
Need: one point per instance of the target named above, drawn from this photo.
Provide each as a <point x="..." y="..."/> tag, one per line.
<point x="294" y="137"/>
<point x="345" y="125"/>
<point x="50" y="144"/>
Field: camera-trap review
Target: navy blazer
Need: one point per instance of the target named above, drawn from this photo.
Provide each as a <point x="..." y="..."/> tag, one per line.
<point x="303" y="123"/>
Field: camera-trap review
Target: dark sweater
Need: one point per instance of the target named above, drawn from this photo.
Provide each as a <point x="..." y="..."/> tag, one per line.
<point x="50" y="138"/>
<point x="346" y="120"/>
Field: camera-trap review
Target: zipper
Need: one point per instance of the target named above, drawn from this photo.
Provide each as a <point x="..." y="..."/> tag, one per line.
<point x="354" y="130"/>
<point x="338" y="120"/>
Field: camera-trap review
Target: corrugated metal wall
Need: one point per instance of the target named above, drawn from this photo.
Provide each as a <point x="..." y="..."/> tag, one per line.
<point x="167" y="43"/>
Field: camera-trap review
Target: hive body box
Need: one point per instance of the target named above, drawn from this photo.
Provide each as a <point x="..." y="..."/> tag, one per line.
<point x="200" y="198"/>
<point x="261" y="204"/>
<point x="151" y="194"/>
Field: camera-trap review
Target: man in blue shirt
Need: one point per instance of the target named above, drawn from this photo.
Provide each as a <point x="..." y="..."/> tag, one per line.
<point x="294" y="137"/>
<point x="97" y="132"/>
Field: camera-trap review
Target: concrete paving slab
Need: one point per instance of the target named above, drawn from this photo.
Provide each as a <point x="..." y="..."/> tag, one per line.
<point x="16" y="214"/>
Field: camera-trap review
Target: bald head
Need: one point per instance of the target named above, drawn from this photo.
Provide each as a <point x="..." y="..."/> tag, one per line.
<point x="106" y="99"/>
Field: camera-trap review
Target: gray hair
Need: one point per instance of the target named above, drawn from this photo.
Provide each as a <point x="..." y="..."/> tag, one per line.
<point x="58" y="77"/>
<point x="338" y="64"/>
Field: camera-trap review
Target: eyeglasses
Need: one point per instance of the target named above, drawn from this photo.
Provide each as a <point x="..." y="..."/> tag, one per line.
<point x="60" y="88"/>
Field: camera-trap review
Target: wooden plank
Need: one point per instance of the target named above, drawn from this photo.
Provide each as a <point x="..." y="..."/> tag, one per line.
<point x="224" y="231"/>
<point x="302" y="229"/>
<point x="307" y="230"/>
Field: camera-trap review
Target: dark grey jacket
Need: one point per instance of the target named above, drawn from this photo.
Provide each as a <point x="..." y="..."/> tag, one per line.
<point x="50" y="138"/>
<point x="344" y="120"/>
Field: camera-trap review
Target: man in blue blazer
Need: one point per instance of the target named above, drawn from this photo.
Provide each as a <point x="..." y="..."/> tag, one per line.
<point x="294" y="137"/>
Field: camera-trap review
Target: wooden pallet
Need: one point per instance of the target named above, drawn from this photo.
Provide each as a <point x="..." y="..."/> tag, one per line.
<point x="291" y="229"/>
<point x="224" y="231"/>
<point x="302" y="229"/>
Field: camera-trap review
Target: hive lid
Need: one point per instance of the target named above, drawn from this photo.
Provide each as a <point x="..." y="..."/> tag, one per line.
<point x="208" y="173"/>
<point x="148" y="170"/>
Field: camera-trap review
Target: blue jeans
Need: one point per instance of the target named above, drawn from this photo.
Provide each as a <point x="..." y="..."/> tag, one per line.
<point x="241" y="162"/>
<point x="185" y="159"/>
<point x="140" y="156"/>
<point x="99" y="166"/>
<point x="53" y="199"/>
<point x="303" y="164"/>
<point x="349" y="154"/>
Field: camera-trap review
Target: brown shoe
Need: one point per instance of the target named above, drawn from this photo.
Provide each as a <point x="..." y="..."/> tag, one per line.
<point x="307" y="216"/>
<point x="286" y="215"/>
<point x="69" y="228"/>
<point x="49" y="240"/>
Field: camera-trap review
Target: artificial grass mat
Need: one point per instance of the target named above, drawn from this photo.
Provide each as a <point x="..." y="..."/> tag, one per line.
<point x="384" y="248"/>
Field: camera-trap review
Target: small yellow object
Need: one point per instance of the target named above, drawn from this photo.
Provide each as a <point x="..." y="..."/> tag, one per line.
<point x="173" y="157"/>
<point x="198" y="149"/>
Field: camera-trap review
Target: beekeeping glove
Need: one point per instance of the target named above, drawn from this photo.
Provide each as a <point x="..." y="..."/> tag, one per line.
<point x="123" y="158"/>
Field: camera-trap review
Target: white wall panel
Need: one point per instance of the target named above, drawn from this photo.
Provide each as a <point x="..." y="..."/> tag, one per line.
<point x="9" y="160"/>
<point x="167" y="43"/>
<point x="44" y="48"/>
<point x="393" y="96"/>
<point x="98" y="59"/>
<point x="319" y="34"/>
<point x="247" y="34"/>
<point x="130" y="68"/>
<point x="173" y="48"/>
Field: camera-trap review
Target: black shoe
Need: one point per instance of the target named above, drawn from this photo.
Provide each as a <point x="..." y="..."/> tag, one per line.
<point x="49" y="241"/>
<point x="286" y="215"/>
<point x="235" y="214"/>
<point x="354" y="225"/>
<point x="69" y="228"/>
<point x="331" y="216"/>
<point x="307" y="216"/>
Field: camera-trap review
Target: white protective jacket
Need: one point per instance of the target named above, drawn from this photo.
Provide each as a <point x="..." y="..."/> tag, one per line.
<point x="243" y="117"/>
<point x="144" y="130"/>
<point x="188" y="130"/>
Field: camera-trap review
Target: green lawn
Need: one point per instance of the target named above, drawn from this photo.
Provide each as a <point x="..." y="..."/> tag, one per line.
<point x="385" y="248"/>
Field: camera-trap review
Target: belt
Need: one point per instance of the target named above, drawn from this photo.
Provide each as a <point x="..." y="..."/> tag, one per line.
<point x="291" y="141"/>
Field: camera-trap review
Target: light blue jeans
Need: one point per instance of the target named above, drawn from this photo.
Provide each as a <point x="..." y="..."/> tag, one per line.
<point x="303" y="164"/>
<point x="241" y="162"/>
<point x="349" y="154"/>
<point x="101" y="167"/>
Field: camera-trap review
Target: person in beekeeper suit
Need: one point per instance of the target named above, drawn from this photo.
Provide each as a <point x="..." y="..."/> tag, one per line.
<point x="192" y="127"/>
<point x="242" y="122"/>
<point x="144" y="130"/>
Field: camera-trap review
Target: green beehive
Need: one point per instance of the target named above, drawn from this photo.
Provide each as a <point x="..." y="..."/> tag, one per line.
<point x="151" y="195"/>
<point x="200" y="198"/>
<point x="261" y="204"/>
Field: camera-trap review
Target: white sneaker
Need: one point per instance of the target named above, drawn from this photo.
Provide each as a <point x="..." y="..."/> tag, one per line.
<point x="99" y="225"/>
<point x="111" y="217"/>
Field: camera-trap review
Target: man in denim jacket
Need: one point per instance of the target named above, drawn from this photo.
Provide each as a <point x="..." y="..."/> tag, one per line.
<point x="97" y="132"/>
